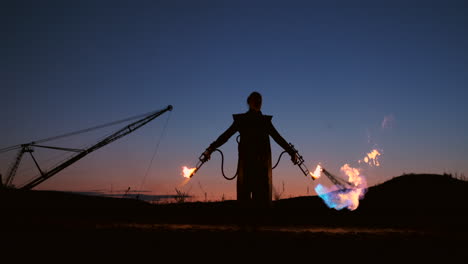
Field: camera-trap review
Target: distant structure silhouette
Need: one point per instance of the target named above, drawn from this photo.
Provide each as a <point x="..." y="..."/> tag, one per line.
<point x="254" y="180"/>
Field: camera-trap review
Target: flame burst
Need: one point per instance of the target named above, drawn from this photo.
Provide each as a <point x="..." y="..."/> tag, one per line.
<point x="372" y="158"/>
<point x="349" y="197"/>
<point x="187" y="173"/>
<point x="353" y="174"/>
<point x="316" y="174"/>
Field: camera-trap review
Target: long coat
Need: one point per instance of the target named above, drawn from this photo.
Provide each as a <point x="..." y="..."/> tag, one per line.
<point x="254" y="180"/>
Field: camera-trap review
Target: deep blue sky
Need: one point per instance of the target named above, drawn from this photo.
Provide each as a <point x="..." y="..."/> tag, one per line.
<point x="329" y="75"/>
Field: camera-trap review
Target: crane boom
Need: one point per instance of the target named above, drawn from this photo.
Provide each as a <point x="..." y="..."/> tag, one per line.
<point x="14" y="167"/>
<point x="120" y="133"/>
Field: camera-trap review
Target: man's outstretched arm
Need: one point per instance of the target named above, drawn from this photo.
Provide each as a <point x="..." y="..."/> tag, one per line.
<point x="282" y="142"/>
<point x="223" y="138"/>
<point x="279" y="139"/>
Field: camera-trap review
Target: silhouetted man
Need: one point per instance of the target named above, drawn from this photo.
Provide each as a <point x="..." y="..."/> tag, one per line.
<point x="254" y="180"/>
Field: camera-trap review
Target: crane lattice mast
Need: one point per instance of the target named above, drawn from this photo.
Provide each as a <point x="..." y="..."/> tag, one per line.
<point x="80" y="153"/>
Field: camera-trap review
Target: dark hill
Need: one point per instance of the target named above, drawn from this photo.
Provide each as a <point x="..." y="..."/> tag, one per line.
<point x="419" y="215"/>
<point x="406" y="193"/>
<point x="419" y="192"/>
<point x="419" y="199"/>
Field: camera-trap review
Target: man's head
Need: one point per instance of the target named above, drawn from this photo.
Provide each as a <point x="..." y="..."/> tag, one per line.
<point x="255" y="101"/>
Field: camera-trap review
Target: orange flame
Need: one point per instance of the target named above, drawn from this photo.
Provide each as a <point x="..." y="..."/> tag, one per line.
<point x="187" y="173"/>
<point x="316" y="174"/>
<point x="372" y="158"/>
<point x="353" y="174"/>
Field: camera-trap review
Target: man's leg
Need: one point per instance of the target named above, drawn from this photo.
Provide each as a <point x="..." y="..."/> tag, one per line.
<point x="261" y="193"/>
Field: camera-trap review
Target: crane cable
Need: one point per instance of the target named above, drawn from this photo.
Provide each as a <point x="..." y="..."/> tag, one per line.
<point x="79" y="131"/>
<point x="113" y="123"/>
<point x="163" y="132"/>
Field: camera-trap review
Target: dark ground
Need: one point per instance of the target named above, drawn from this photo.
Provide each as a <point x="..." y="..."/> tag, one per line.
<point x="418" y="217"/>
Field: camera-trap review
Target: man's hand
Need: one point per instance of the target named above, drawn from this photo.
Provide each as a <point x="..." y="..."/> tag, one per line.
<point x="206" y="155"/>
<point x="294" y="158"/>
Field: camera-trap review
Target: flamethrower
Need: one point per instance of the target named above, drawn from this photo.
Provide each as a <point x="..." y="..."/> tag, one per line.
<point x="188" y="173"/>
<point x="299" y="162"/>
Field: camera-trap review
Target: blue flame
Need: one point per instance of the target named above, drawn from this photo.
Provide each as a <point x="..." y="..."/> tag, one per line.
<point x="339" y="199"/>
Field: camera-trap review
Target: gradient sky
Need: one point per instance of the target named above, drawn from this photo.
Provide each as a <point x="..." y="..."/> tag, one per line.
<point x="329" y="75"/>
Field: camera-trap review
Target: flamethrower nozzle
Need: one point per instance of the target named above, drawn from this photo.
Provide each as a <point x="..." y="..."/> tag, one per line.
<point x="300" y="162"/>
<point x="201" y="160"/>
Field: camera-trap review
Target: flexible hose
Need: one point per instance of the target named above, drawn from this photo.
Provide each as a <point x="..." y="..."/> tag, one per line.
<point x="222" y="167"/>
<point x="279" y="158"/>
<point x="237" y="172"/>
